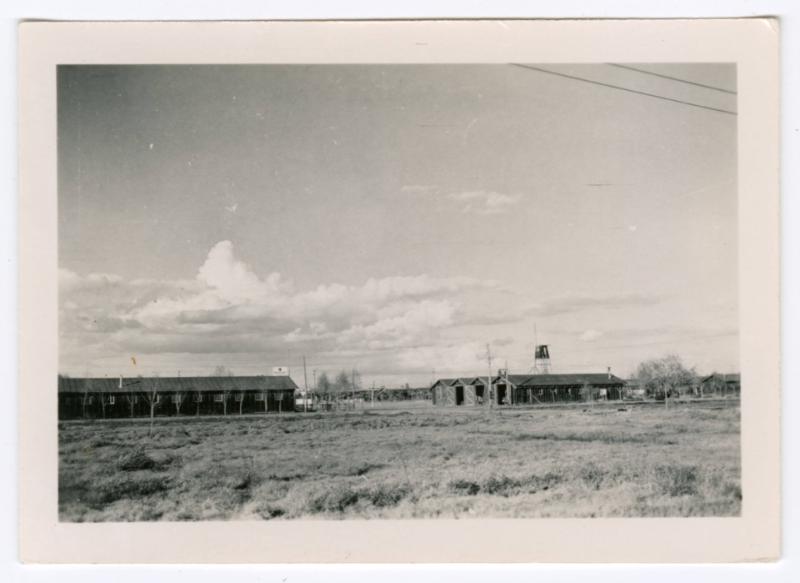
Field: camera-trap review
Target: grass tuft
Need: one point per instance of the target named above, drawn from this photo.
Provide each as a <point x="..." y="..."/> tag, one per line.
<point x="384" y="496"/>
<point x="677" y="480"/>
<point x="464" y="487"/>
<point x="136" y="460"/>
<point x="335" y="500"/>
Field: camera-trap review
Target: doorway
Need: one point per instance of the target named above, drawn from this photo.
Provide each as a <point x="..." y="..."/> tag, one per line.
<point x="501" y="394"/>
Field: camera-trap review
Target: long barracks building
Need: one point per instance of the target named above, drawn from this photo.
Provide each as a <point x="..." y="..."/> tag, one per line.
<point x="167" y="396"/>
<point x="527" y="389"/>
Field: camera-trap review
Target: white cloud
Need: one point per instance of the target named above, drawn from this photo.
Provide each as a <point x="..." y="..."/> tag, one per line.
<point x="574" y="303"/>
<point x="462" y="359"/>
<point x="230" y="308"/>
<point x="71" y="281"/>
<point x="473" y="201"/>
<point x="485" y="202"/>
<point x="232" y="279"/>
<point x="590" y="335"/>
<point x="419" y="321"/>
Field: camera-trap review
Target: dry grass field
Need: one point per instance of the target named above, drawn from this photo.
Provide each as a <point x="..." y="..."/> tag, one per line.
<point x="574" y="461"/>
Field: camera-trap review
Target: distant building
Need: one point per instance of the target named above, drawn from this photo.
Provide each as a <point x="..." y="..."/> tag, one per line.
<point x="460" y="391"/>
<point x="527" y="389"/>
<point x="721" y="384"/>
<point x="634" y="389"/>
<point x="133" y="397"/>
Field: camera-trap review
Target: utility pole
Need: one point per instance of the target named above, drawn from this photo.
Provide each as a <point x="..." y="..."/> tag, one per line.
<point x="305" y="385"/>
<point x="354" y="388"/>
<point x="489" y="378"/>
<point x="510" y="393"/>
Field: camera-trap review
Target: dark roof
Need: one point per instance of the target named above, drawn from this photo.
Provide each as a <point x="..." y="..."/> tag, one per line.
<point x="471" y="380"/>
<point x="462" y="380"/>
<point x="514" y="379"/>
<point x="563" y="380"/>
<point x="446" y="382"/>
<point x="176" y="384"/>
<point x="732" y="377"/>
<point x="545" y="380"/>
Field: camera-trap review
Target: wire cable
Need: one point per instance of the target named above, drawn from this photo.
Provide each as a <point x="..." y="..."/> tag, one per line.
<point x="679" y="80"/>
<point x="636" y="91"/>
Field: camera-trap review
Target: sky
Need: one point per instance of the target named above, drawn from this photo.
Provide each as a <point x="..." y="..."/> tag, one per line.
<point x="396" y="219"/>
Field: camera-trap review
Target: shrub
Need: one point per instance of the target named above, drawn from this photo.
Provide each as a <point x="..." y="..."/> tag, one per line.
<point x="544" y="482"/>
<point x="502" y="485"/>
<point x="361" y="469"/>
<point x="593" y="476"/>
<point x="336" y="500"/>
<point x="676" y="480"/>
<point x="124" y="489"/>
<point x="286" y="477"/>
<point x="733" y="491"/>
<point x="464" y="487"/>
<point x="136" y="460"/>
<point x="387" y="495"/>
<point x="243" y="482"/>
<point x="270" y="512"/>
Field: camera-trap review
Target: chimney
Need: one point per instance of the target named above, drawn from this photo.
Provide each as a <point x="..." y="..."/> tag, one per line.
<point x="120" y="381"/>
<point x="609" y="373"/>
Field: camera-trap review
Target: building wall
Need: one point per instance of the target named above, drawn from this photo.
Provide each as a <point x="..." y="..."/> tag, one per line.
<point x="469" y="396"/>
<point x="70" y="405"/>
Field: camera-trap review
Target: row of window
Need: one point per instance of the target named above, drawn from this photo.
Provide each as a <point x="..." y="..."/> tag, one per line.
<point x="198" y="398"/>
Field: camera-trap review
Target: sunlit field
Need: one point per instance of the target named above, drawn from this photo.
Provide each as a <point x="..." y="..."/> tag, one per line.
<point x="414" y="462"/>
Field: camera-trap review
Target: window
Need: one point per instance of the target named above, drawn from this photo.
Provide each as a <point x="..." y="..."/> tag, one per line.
<point x="198" y="398"/>
<point x="158" y="399"/>
<point x="90" y="400"/>
<point x="177" y="399"/>
<point x="218" y="398"/>
<point x="238" y="397"/>
<point x="540" y="392"/>
<point x="111" y="399"/>
<point x="259" y="396"/>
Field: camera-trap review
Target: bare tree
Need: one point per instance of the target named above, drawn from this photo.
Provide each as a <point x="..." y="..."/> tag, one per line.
<point x="662" y="376"/>
<point x="150" y="392"/>
<point x="341" y="385"/>
<point x="222" y="371"/>
<point x="324" y="386"/>
<point x="131" y="399"/>
<point x="102" y="397"/>
<point x="177" y="399"/>
<point x="86" y="398"/>
<point x="587" y="393"/>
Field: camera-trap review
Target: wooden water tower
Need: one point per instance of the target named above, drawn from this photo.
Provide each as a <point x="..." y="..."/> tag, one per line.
<point x="541" y="359"/>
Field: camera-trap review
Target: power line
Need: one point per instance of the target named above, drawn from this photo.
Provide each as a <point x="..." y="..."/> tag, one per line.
<point x="685" y="339"/>
<point x="636" y="91"/>
<point x="671" y="78"/>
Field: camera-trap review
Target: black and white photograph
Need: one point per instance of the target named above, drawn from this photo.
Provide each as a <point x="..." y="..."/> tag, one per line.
<point x="398" y="291"/>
